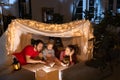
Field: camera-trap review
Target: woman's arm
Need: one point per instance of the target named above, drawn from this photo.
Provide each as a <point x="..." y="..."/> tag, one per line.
<point x="29" y="60"/>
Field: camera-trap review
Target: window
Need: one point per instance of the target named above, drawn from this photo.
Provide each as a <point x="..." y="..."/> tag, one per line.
<point x="118" y="3"/>
<point x="80" y="3"/>
<point x="47" y="14"/>
<point x="110" y="5"/>
<point x="78" y="10"/>
<point x="91" y="2"/>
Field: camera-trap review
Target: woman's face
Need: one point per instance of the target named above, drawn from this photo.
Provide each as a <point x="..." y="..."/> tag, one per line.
<point x="39" y="47"/>
<point x="67" y="51"/>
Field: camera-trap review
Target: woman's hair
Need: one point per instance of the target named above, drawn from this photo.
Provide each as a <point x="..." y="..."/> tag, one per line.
<point x="36" y="42"/>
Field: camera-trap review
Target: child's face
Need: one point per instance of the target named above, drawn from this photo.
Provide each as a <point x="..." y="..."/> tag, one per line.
<point x="50" y="46"/>
<point x="67" y="51"/>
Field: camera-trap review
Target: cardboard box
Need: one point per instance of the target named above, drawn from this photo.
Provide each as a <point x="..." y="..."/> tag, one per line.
<point x="50" y="75"/>
<point x="43" y="72"/>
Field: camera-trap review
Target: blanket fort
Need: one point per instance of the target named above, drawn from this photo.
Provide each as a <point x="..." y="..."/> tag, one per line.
<point x="20" y="32"/>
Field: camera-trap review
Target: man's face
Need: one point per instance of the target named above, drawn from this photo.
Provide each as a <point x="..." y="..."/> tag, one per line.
<point x="39" y="47"/>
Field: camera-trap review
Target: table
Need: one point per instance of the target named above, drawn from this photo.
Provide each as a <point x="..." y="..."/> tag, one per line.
<point x="44" y="72"/>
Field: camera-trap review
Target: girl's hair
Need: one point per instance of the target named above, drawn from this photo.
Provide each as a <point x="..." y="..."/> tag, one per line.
<point x="76" y="51"/>
<point x="36" y="42"/>
<point x="75" y="48"/>
<point x="50" y="43"/>
<point x="71" y="47"/>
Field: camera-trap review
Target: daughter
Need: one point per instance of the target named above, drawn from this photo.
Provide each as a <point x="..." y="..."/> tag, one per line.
<point x="69" y="55"/>
<point x="49" y="54"/>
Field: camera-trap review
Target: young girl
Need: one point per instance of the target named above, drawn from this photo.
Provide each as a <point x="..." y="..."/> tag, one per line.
<point x="69" y="55"/>
<point x="49" y="54"/>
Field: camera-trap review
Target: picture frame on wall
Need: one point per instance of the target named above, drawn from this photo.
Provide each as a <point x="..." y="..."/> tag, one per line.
<point x="47" y="14"/>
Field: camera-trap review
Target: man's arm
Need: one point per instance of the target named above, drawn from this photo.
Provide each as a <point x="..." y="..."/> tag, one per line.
<point x="29" y="60"/>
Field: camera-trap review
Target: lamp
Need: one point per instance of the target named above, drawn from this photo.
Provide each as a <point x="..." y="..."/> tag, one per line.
<point x="16" y="64"/>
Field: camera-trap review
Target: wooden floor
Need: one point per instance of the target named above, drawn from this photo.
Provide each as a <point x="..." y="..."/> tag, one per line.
<point x="116" y="73"/>
<point x="83" y="72"/>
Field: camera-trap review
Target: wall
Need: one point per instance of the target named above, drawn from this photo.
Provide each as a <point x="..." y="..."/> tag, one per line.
<point x="60" y="6"/>
<point x="3" y="52"/>
<point x="63" y="7"/>
<point x="10" y="8"/>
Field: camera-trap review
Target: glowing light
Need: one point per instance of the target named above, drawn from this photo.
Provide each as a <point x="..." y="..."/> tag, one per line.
<point x="71" y="8"/>
<point x="84" y="8"/>
<point x="118" y="10"/>
<point x="6" y="7"/>
<point x="0" y="10"/>
<point x="12" y="1"/>
<point x="3" y="1"/>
